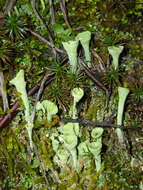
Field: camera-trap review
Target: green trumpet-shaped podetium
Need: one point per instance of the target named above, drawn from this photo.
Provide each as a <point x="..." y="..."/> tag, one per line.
<point x="115" y="53"/>
<point x="20" y="85"/>
<point x="39" y="107"/>
<point x="66" y="145"/>
<point x="97" y="132"/>
<point x="123" y="93"/>
<point x="77" y="94"/>
<point x="71" y="49"/>
<point x="29" y="126"/>
<point x="70" y="131"/>
<point x="86" y="148"/>
<point x="95" y="147"/>
<point x="84" y="38"/>
<point x="70" y="141"/>
<point x="47" y="107"/>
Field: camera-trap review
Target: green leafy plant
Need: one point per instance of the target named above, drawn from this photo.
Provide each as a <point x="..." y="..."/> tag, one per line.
<point x="6" y="51"/>
<point x="62" y="34"/>
<point x="15" y="26"/>
<point x="138" y="94"/>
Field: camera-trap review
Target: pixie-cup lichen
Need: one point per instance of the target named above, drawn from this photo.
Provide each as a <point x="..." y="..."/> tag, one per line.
<point x="123" y="93"/>
<point x="48" y="107"/>
<point x="84" y="38"/>
<point x="71" y="49"/>
<point x="20" y="84"/>
<point x="68" y="137"/>
<point x="115" y="53"/>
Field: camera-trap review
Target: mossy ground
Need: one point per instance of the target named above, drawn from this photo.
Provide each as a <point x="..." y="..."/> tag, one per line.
<point x="111" y="23"/>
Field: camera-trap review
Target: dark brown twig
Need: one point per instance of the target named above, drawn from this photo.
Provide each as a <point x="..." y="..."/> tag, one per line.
<point x="45" y="41"/>
<point x="52" y="12"/>
<point x="46" y="27"/>
<point x="41" y="167"/>
<point x="63" y="9"/>
<point x="102" y="65"/>
<point x="91" y="75"/>
<point x="38" y="95"/>
<point x="100" y="124"/>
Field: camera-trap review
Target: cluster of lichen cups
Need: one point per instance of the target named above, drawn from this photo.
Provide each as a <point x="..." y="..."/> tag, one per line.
<point x="65" y="142"/>
<point x="122" y="91"/>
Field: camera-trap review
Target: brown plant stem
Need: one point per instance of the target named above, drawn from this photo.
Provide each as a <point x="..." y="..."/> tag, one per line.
<point x="101" y="124"/>
<point x="102" y="65"/>
<point x="91" y="75"/>
<point x="52" y="14"/>
<point x="39" y="37"/>
<point x="39" y="94"/>
<point x="63" y="9"/>
<point x="46" y="27"/>
<point x="41" y="167"/>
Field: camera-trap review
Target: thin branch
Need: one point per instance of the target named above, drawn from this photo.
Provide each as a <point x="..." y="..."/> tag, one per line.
<point x="64" y="3"/>
<point x="52" y="12"/>
<point x="45" y="41"/>
<point x="102" y="65"/>
<point x="91" y="75"/>
<point x="100" y="124"/>
<point x="39" y="94"/>
<point x="63" y="9"/>
<point x="128" y="58"/>
<point x="46" y="27"/>
<point x="41" y="167"/>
